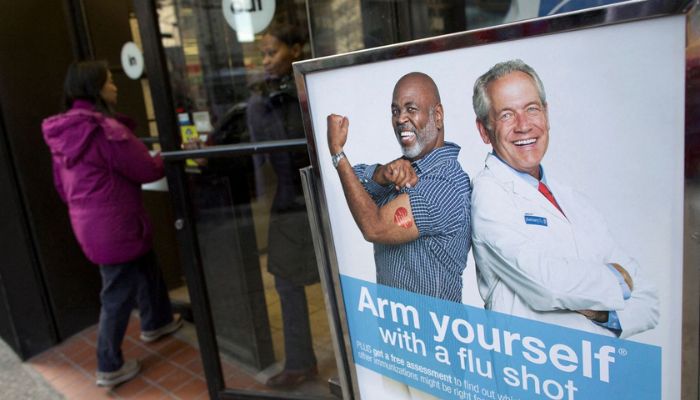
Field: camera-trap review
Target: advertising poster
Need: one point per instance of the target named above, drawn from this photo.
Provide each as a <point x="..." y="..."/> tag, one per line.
<point x="614" y="116"/>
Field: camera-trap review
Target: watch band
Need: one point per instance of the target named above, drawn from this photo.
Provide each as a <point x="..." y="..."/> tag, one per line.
<point x="337" y="157"/>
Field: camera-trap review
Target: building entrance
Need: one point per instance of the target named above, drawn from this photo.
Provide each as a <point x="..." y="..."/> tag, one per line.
<point x="230" y="128"/>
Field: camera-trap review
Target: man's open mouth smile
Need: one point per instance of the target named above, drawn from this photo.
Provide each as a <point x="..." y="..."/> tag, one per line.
<point x="524" y="142"/>
<point x="407" y="136"/>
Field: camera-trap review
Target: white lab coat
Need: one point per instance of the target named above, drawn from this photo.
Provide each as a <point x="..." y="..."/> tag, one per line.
<point x="544" y="272"/>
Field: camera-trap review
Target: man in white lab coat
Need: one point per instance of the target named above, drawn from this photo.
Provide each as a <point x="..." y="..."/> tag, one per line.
<point x="542" y="251"/>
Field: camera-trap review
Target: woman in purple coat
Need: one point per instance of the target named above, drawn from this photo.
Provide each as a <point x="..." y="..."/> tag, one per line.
<point x="99" y="166"/>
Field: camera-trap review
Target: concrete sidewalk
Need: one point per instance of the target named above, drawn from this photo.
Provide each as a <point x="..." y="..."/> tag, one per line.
<point x="19" y="381"/>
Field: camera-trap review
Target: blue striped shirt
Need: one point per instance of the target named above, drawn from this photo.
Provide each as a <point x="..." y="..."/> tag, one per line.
<point x="432" y="264"/>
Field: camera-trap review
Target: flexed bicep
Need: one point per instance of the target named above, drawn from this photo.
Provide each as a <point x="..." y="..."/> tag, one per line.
<point x="395" y="223"/>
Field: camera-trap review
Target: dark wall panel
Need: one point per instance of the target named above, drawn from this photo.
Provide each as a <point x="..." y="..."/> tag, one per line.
<point x="35" y="50"/>
<point x="25" y="319"/>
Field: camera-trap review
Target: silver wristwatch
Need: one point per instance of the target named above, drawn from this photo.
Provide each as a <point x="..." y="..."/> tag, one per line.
<point x="337" y="157"/>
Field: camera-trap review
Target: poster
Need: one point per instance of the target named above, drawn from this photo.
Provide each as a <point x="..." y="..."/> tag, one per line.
<point x="615" y="102"/>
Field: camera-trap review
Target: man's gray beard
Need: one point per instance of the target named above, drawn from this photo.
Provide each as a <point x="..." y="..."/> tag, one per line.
<point x="422" y="138"/>
<point x="413" y="151"/>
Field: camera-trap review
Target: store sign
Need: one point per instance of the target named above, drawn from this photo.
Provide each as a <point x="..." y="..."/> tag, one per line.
<point x="605" y="109"/>
<point x="248" y="17"/>
<point x="132" y="60"/>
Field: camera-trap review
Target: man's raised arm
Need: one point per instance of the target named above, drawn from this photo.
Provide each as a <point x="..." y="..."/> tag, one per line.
<point x="392" y="223"/>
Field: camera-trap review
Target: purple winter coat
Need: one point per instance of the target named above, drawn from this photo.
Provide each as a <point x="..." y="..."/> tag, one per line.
<point x="98" y="167"/>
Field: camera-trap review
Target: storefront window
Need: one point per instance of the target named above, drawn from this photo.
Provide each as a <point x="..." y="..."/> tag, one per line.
<point x="371" y="23"/>
<point x="234" y="87"/>
<point x="212" y="71"/>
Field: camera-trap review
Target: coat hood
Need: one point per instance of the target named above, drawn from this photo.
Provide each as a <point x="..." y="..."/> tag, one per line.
<point x="70" y="134"/>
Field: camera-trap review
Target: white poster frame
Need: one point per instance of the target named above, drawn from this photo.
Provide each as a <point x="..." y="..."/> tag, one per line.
<point x="548" y="29"/>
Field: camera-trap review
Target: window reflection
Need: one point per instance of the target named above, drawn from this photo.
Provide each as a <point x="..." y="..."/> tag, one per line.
<point x="253" y="231"/>
<point x="213" y="72"/>
<point x="273" y="113"/>
<point x="210" y="69"/>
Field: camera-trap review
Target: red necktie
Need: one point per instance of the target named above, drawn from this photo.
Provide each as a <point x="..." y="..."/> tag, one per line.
<point x="545" y="191"/>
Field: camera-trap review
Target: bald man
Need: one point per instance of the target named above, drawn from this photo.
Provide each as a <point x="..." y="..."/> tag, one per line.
<point x="415" y="209"/>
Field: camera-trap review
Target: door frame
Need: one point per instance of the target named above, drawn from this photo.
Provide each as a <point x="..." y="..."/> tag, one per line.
<point x="166" y="121"/>
<point x="186" y="232"/>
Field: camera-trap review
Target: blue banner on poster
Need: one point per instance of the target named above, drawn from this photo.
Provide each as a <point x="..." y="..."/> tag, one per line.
<point x="456" y="351"/>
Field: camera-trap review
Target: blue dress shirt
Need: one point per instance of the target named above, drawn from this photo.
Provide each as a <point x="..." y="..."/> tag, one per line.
<point x="440" y="202"/>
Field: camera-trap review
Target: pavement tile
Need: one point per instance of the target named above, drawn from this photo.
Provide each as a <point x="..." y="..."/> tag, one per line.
<point x="158" y="370"/>
<point x="130" y="343"/>
<point x="136" y="352"/>
<point x="131" y="388"/>
<point x="68" y="377"/>
<point x="92" y="392"/>
<point x="228" y="369"/>
<point x="184" y="356"/>
<point x="195" y="366"/>
<point x="80" y="356"/>
<point x="90" y="335"/>
<point x="152" y="393"/>
<point x="46" y="357"/>
<point x="191" y="389"/>
<point x="240" y="381"/>
<point x="173" y="347"/>
<point x="78" y="386"/>
<point x="175" y="379"/>
<point x="150" y="360"/>
<point x="89" y="365"/>
<point x="160" y="343"/>
<point x="134" y="328"/>
<point x="55" y="370"/>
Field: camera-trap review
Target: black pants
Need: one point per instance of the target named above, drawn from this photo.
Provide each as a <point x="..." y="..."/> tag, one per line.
<point x="298" y="349"/>
<point x="123" y="285"/>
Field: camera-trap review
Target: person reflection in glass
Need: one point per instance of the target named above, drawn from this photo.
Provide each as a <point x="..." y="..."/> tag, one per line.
<point x="273" y="114"/>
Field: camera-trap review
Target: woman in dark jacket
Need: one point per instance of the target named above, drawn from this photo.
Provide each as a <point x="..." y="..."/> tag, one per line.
<point x="273" y="114"/>
<point x="99" y="166"/>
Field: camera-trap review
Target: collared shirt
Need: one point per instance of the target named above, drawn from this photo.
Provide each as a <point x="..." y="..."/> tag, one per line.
<point x="613" y="322"/>
<point x="524" y="175"/>
<point x="440" y="202"/>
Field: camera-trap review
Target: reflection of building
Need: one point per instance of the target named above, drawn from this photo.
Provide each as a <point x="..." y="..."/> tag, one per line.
<point x="219" y="67"/>
<point x="347" y="31"/>
<point x="334" y="35"/>
<point x="373" y="23"/>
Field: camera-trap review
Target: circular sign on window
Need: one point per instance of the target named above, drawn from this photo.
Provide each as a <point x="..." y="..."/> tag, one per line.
<point x="132" y="60"/>
<point x="248" y="17"/>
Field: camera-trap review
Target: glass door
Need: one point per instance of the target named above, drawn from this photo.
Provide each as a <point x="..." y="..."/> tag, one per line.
<point x="233" y="140"/>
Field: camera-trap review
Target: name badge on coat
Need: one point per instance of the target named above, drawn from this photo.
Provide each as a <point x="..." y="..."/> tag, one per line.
<point x="535" y="220"/>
